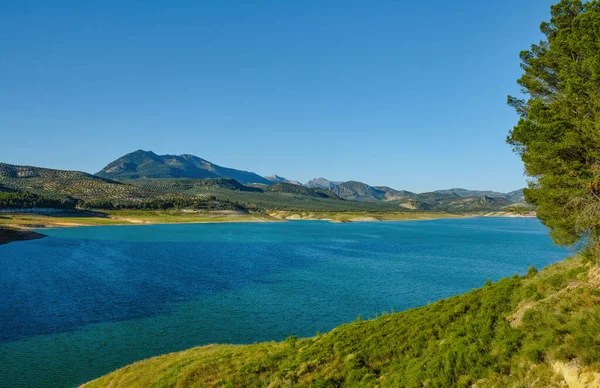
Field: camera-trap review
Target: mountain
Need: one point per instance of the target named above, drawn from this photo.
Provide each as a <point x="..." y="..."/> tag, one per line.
<point x="147" y="164"/>
<point x="471" y="193"/>
<point x="478" y="204"/>
<point x="453" y="200"/>
<point x="515" y="196"/>
<point x="277" y="179"/>
<point x="394" y="195"/>
<point x="322" y="183"/>
<point x="358" y="191"/>
<point x="290" y="188"/>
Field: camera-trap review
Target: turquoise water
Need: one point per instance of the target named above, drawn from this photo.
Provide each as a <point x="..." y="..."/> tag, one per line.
<point x="84" y="301"/>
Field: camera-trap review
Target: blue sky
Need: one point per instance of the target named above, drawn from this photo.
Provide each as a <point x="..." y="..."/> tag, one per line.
<point x="409" y="94"/>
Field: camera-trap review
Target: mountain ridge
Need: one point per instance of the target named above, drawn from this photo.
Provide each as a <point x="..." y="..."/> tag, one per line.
<point x="138" y="178"/>
<point x="147" y="164"/>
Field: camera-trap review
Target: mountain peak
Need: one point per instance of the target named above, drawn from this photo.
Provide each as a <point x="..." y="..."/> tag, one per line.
<point x="321" y="183"/>
<point x="279" y="179"/>
<point x="147" y="164"/>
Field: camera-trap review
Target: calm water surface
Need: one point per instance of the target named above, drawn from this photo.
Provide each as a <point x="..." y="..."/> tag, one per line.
<point x="85" y="301"/>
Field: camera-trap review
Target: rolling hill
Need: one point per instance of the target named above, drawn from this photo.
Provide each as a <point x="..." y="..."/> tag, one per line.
<point x="67" y="185"/>
<point x="147" y="164"/>
<point x="291" y="188"/>
<point x="394" y="195"/>
<point x="358" y="191"/>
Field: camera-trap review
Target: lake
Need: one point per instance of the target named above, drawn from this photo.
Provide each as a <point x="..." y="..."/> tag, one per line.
<point x="85" y="301"/>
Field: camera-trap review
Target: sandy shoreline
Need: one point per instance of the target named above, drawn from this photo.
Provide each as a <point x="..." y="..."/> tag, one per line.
<point x="23" y="226"/>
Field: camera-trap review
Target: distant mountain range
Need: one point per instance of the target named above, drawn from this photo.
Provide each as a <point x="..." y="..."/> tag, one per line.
<point x="146" y="164"/>
<point x="358" y="191"/>
<point x="143" y="175"/>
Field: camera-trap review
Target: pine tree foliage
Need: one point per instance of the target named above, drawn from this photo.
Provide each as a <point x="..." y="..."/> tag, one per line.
<point x="558" y="133"/>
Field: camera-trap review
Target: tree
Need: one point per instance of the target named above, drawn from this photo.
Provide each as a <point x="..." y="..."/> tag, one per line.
<point x="558" y="132"/>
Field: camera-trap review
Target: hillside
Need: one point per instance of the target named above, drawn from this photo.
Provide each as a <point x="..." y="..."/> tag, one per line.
<point x="147" y="164"/>
<point x="535" y="330"/>
<point x="190" y="186"/>
<point x="395" y="195"/>
<point x="291" y="188"/>
<point x="27" y="186"/>
<point x="279" y="179"/>
<point x="471" y="193"/>
<point x="441" y="200"/>
<point x="358" y="191"/>
<point x="67" y="185"/>
<point x="478" y="204"/>
<point x="516" y="196"/>
<point x="513" y="196"/>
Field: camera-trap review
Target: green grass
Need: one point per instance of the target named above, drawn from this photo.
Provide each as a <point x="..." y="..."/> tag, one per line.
<point x="507" y="333"/>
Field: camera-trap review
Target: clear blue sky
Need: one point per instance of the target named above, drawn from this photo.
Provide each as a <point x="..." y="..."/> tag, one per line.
<point x="409" y="94"/>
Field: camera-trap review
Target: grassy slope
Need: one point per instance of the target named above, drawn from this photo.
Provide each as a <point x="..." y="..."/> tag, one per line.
<point x="517" y="332"/>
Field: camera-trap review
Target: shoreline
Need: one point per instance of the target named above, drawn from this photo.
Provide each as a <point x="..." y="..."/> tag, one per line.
<point x="27" y="225"/>
<point x="30" y="220"/>
<point x="8" y="235"/>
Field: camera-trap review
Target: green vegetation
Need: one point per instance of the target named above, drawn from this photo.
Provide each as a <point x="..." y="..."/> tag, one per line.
<point x="510" y="332"/>
<point x="283" y="187"/>
<point x="190" y="186"/>
<point x="147" y="164"/>
<point x="358" y="191"/>
<point x="21" y="200"/>
<point x="557" y="135"/>
<point x="69" y="185"/>
<point x="210" y="203"/>
<point x="280" y="196"/>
